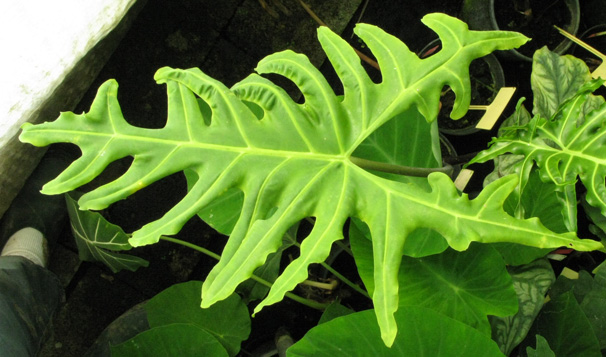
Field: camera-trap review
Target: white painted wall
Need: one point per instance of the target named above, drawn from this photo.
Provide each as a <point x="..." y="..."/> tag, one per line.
<point x="41" y="41"/>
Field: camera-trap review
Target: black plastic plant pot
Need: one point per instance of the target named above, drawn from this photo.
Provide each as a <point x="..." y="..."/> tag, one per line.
<point x="125" y="327"/>
<point x="450" y="155"/>
<point x="487" y="78"/>
<point x="533" y="18"/>
<point x="595" y="37"/>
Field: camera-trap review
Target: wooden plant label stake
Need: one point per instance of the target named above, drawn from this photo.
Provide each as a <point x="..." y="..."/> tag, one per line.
<point x="570" y="274"/>
<point x="463" y="179"/>
<point x="599" y="72"/>
<point x="495" y="109"/>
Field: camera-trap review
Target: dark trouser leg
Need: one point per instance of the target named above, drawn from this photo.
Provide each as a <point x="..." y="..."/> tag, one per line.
<point x="29" y="296"/>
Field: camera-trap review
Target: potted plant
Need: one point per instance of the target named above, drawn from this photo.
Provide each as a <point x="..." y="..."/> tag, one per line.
<point x="533" y="18"/>
<point x="274" y="174"/>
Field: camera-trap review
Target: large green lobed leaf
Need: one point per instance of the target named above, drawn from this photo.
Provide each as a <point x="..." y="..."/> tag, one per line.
<point x="295" y="161"/>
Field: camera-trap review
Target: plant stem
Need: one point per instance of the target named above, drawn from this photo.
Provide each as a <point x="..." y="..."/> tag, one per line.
<point x="398" y="169"/>
<point x="345" y="280"/>
<point x="319" y="21"/>
<point x="320" y="285"/>
<point x="345" y="248"/>
<point x="311" y="303"/>
<point x="581" y="43"/>
<point x="192" y="246"/>
<point x="339" y="276"/>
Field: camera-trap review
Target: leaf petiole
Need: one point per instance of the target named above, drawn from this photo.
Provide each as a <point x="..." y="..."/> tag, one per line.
<point x="399" y="169"/>
<point x="307" y="302"/>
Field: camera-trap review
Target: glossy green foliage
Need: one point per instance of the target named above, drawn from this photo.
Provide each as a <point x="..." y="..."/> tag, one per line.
<point x="565" y="327"/>
<point x="423" y="332"/>
<point x="542" y="349"/>
<point x="293" y="161"/>
<point x="590" y="296"/>
<point x="178" y="327"/>
<point x="170" y="340"/>
<point x="564" y="138"/>
<point x="531" y="282"/>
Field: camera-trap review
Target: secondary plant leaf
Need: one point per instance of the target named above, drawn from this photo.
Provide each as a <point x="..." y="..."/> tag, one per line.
<point x="423" y="332"/>
<point x="170" y="340"/>
<point x="466" y="286"/>
<point x="542" y="349"/>
<point x="564" y="138"/>
<point x="565" y="327"/>
<point x="539" y="199"/>
<point x="334" y="310"/>
<point x="228" y="321"/>
<point x="531" y="283"/>
<point x="554" y="80"/>
<point x="98" y="240"/>
<point x="590" y="293"/>
<point x="295" y="161"/>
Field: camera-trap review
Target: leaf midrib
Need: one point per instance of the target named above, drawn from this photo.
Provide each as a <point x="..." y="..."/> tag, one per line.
<point x="415" y="199"/>
<point x="207" y="146"/>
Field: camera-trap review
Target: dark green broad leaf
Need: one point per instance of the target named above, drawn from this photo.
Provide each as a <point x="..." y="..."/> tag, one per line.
<point x="422" y="332"/>
<point x="421" y="243"/>
<point x="333" y="311"/>
<point x="597" y="218"/>
<point x="178" y="339"/>
<point x="542" y="349"/>
<point x="565" y="327"/>
<point x="98" y="240"/>
<point x="579" y="287"/>
<point x="466" y="286"/>
<point x="228" y="321"/>
<point x="531" y="282"/>
<point x="594" y="305"/>
<point x="590" y="293"/>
